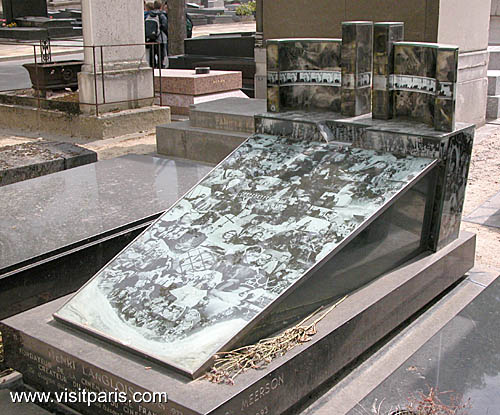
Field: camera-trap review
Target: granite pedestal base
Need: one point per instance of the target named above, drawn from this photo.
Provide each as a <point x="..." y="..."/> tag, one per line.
<point x="180" y="104"/>
<point x="110" y="92"/>
<point x="29" y="118"/>
<point x="52" y="357"/>
<point x="180" y="88"/>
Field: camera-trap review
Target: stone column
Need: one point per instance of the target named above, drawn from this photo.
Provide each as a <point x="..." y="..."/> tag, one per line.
<point x="260" y="54"/>
<point x="356" y="63"/>
<point x="115" y="77"/>
<point x="384" y="36"/>
<point x="494" y="37"/>
<point x="176" y="26"/>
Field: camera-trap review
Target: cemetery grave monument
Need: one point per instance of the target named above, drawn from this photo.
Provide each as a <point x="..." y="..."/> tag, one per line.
<point x="29" y="20"/>
<point x="323" y="201"/>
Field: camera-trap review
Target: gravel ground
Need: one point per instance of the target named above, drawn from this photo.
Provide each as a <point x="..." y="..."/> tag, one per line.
<point x="484" y="183"/>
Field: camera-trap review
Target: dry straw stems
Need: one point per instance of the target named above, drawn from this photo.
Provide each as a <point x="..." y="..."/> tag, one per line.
<point x="431" y="404"/>
<point x="230" y="364"/>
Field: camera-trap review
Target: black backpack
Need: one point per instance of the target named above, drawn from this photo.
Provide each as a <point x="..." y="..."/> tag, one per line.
<point x="152" y="27"/>
<point x="189" y="26"/>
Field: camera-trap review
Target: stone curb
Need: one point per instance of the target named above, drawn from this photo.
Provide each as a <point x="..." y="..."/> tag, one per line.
<point x="11" y="380"/>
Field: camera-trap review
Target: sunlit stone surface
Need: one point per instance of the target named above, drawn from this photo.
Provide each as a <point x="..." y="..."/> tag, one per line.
<point x="250" y="230"/>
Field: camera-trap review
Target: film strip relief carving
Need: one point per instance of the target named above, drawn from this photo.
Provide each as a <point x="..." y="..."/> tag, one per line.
<point x="444" y="90"/>
<point x="290" y="78"/>
<point x="424" y="83"/>
<point x="355" y="81"/>
<point x="303" y="74"/>
<point x="413" y="84"/>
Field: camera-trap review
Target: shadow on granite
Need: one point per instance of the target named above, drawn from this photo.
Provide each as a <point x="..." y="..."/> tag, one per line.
<point x="462" y="359"/>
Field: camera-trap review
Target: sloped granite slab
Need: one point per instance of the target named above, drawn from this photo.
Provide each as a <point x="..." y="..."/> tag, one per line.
<point x="214" y="265"/>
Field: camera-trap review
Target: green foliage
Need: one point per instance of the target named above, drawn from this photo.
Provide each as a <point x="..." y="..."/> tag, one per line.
<point x="246" y="9"/>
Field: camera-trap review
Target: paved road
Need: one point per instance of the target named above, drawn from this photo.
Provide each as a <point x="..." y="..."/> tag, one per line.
<point x="14" y="76"/>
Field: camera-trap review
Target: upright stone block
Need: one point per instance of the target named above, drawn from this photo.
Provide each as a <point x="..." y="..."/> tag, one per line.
<point x="414" y="81"/>
<point x="425" y="77"/>
<point x="116" y="76"/>
<point x="273" y="70"/>
<point x="384" y="36"/>
<point x="356" y="62"/>
<point x="446" y="77"/>
<point x="303" y="74"/>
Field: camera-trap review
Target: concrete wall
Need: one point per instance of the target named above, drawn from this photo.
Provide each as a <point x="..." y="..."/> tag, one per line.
<point x="322" y="18"/>
<point x="467" y="26"/>
<point x="460" y="22"/>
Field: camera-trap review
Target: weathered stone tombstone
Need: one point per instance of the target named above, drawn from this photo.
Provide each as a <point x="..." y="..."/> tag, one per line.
<point x="115" y="83"/>
<point x="12" y="9"/>
<point x="315" y="206"/>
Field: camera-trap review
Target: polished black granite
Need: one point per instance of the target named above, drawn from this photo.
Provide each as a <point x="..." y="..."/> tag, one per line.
<point x="51" y="212"/>
<point x="488" y="214"/>
<point x="462" y="359"/>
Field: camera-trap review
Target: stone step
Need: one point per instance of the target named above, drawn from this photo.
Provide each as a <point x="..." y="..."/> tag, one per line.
<point x="228" y="114"/>
<point x="493" y="107"/>
<point x="493" y="82"/>
<point x="180" y="139"/>
<point x="494" y="62"/>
